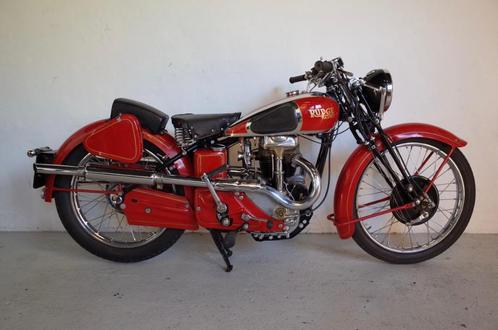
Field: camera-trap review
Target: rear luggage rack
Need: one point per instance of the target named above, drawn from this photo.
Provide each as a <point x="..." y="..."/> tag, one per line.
<point x="44" y="155"/>
<point x="39" y="151"/>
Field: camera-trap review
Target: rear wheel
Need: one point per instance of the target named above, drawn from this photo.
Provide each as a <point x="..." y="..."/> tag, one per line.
<point x="422" y="232"/>
<point x="95" y="220"/>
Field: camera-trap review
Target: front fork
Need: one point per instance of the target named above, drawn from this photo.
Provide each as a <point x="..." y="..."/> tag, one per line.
<point x="321" y="159"/>
<point x="408" y="193"/>
<point x="407" y="186"/>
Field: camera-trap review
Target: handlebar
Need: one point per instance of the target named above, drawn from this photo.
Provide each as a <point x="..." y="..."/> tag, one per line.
<point x="297" y="78"/>
<point x="319" y="70"/>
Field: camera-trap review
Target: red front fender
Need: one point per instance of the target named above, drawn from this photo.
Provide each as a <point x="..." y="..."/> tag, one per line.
<point x="347" y="182"/>
<point x="165" y="142"/>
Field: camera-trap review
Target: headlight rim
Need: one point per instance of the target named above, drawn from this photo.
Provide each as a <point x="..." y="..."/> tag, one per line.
<point x="375" y="79"/>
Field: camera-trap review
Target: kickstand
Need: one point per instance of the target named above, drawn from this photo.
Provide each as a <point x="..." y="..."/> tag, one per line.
<point x="222" y="247"/>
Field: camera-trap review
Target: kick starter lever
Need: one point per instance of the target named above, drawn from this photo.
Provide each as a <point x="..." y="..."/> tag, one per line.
<point x="221" y="208"/>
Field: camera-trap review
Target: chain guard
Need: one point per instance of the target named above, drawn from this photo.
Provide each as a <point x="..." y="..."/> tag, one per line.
<point x="304" y="221"/>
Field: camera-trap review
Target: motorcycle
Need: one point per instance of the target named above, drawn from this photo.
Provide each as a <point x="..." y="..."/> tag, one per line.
<point x="126" y="190"/>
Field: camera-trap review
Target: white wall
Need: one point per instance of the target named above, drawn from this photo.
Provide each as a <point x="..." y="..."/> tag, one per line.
<point x="63" y="62"/>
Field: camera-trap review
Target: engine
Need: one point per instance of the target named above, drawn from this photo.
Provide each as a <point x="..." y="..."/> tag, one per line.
<point x="270" y="171"/>
<point x="269" y="160"/>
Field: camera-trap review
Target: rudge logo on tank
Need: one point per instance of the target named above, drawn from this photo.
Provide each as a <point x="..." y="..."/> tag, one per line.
<point x="321" y="113"/>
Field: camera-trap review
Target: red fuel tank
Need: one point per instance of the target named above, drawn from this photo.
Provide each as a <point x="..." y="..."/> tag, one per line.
<point x="301" y="114"/>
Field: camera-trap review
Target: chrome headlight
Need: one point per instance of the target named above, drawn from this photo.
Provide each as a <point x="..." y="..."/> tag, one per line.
<point x="378" y="90"/>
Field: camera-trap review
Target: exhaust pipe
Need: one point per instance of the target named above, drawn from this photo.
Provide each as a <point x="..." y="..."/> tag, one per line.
<point x="101" y="173"/>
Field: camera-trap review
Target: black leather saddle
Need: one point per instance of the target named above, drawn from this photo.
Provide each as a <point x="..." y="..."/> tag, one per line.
<point x="150" y="118"/>
<point x="201" y="126"/>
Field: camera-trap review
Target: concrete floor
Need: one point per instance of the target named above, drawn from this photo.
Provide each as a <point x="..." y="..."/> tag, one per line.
<point x="310" y="282"/>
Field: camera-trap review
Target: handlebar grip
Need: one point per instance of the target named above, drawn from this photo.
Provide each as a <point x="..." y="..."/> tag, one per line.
<point x="297" y="78"/>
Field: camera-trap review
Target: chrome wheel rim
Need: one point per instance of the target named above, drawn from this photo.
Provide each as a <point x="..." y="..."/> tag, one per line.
<point x="101" y="217"/>
<point x="389" y="233"/>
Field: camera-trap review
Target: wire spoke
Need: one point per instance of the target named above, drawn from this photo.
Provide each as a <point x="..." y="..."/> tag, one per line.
<point x="428" y="166"/>
<point x="102" y="221"/>
<point x="409" y="155"/>
<point x="440" y="174"/>
<point x="374" y="202"/>
<point x="94" y="205"/>
<point x="132" y="233"/>
<point x="378" y="183"/>
<point x="429" y="238"/>
<point x="410" y="236"/>
<point x="379" y="190"/>
<point x="389" y="224"/>
<point x="386" y="236"/>
<point x="92" y="200"/>
<point x="375" y="193"/>
<point x="120" y="222"/>
<point x="441" y="211"/>
<point x="100" y="216"/>
<point x="374" y="209"/>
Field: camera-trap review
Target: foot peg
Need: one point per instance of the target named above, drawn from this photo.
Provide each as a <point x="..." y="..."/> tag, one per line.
<point x="224" y="244"/>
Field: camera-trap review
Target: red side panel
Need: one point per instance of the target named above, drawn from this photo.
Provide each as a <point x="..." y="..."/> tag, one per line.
<point x="165" y="142"/>
<point x="319" y="114"/>
<point x="146" y="207"/>
<point x="207" y="160"/>
<point x="205" y="212"/>
<point x="350" y="176"/>
<point x="119" y="139"/>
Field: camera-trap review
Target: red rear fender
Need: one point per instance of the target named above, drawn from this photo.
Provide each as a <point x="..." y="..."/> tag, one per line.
<point x="347" y="182"/>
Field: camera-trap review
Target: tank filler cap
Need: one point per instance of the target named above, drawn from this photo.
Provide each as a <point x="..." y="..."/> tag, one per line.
<point x="293" y="93"/>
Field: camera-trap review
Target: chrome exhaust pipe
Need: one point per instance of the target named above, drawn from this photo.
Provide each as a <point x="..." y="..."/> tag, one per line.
<point x="285" y="201"/>
<point x="58" y="169"/>
<point x="100" y="173"/>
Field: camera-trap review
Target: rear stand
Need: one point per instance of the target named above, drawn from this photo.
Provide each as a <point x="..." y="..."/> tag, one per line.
<point x="224" y="244"/>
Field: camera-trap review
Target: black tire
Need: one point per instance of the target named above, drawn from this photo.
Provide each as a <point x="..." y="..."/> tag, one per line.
<point x="371" y="247"/>
<point x="120" y="254"/>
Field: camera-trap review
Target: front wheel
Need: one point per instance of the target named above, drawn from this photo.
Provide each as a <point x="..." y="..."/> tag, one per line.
<point x="96" y="221"/>
<point x="420" y="233"/>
